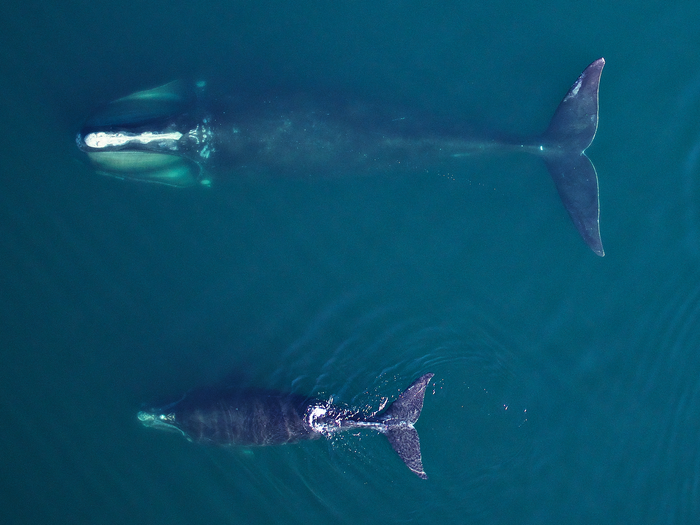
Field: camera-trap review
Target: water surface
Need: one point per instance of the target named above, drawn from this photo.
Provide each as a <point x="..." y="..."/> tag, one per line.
<point x="566" y="385"/>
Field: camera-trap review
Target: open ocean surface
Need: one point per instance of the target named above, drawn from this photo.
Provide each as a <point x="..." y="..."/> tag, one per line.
<point x="567" y="386"/>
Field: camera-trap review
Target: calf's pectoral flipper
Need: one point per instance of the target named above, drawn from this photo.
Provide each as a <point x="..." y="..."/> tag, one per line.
<point x="570" y="132"/>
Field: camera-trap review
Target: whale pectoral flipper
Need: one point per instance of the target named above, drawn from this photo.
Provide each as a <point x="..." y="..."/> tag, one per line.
<point x="570" y="132"/>
<point x="400" y="418"/>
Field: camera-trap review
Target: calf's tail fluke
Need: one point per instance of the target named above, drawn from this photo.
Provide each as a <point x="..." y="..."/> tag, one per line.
<point x="570" y="132"/>
<point x="400" y="418"/>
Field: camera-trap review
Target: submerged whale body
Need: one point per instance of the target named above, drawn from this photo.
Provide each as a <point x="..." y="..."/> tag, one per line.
<point x="178" y="135"/>
<point x="258" y="418"/>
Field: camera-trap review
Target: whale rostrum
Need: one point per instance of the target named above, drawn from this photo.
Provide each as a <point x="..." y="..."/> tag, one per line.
<point x="179" y="134"/>
<point x="229" y="417"/>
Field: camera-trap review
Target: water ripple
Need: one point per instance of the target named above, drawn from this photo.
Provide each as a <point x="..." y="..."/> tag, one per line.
<point x="659" y="405"/>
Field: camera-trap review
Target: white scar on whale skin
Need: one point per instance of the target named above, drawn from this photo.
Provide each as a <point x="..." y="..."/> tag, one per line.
<point x="574" y="89"/>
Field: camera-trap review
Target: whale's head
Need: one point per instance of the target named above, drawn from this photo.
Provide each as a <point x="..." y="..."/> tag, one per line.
<point x="159" y="135"/>
<point x="159" y="420"/>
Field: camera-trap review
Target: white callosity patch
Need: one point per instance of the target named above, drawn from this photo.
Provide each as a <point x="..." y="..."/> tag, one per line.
<point x="101" y="139"/>
<point x="146" y="418"/>
<point x="201" y="135"/>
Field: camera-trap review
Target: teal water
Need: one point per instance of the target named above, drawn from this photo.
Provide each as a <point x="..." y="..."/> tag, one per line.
<point x="566" y="386"/>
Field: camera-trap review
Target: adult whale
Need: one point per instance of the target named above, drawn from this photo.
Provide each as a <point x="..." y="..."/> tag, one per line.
<point x="229" y="417"/>
<point x="178" y="135"/>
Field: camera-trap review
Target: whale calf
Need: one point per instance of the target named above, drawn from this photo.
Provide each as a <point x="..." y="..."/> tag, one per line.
<point x="229" y="417"/>
<point x="179" y="134"/>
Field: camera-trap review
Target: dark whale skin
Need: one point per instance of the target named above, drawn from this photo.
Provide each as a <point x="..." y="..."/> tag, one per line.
<point x="181" y="135"/>
<point x="230" y="417"/>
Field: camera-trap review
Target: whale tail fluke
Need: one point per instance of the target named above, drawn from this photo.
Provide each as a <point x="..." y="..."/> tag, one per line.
<point x="570" y="132"/>
<point x="577" y="183"/>
<point x="399" y="419"/>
